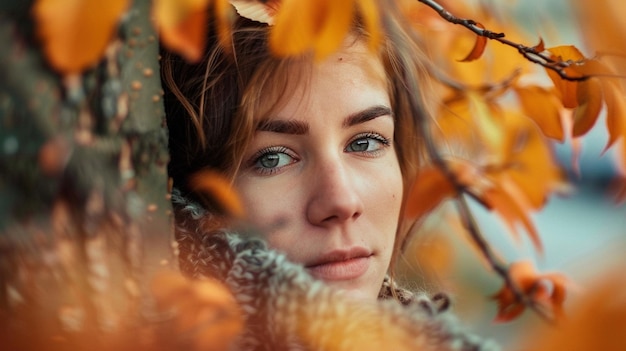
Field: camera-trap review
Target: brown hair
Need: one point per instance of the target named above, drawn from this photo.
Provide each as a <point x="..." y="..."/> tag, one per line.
<point x="210" y="105"/>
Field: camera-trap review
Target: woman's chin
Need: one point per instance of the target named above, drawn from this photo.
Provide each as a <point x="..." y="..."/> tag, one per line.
<point x="354" y="291"/>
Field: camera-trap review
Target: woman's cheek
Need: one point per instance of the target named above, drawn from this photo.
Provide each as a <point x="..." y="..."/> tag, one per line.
<point x="268" y="207"/>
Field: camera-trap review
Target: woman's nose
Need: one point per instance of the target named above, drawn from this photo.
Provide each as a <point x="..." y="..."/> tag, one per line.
<point x="334" y="195"/>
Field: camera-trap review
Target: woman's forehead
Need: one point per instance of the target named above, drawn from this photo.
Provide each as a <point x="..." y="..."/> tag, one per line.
<point x="291" y="81"/>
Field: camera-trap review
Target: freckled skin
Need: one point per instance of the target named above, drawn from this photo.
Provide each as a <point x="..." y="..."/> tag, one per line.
<point x="324" y="194"/>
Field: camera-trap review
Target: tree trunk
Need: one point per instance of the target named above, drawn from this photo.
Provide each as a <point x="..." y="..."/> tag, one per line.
<point x="84" y="214"/>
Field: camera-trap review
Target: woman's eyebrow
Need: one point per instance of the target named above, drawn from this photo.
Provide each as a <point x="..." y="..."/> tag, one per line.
<point x="302" y="127"/>
<point x="367" y="115"/>
<point x="283" y="126"/>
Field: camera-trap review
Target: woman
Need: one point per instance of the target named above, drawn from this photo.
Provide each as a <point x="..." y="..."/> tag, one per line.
<point x="320" y="153"/>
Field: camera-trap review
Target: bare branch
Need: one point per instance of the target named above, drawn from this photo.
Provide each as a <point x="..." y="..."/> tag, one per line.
<point x="496" y="265"/>
<point x="473" y="229"/>
<point x="500" y="268"/>
<point x="530" y="53"/>
<point x="483" y="88"/>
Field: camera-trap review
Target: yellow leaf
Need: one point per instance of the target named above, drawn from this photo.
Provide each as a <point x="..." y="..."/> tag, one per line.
<point x="219" y="189"/>
<point x="479" y="47"/>
<point x="448" y="44"/>
<point x="527" y="168"/>
<point x="369" y="11"/>
<point x="566" y="53"/>
<point x="224" y="15"/>
<point x="75" y="33"/>
<point x="430" y="188"/>
<point x="512" y="212"/>
<point x="542" y="106"/>
<point x="604" y="29"/>
<point x="534" y="169"/>
<point x="566" y="88"/>
<point x="454" y="122"/>
<point x="592" y="67"/>
<point x="473" y="72"/>
<point x="302" y="25"/>
<point x="488" y="122"/>
<point x="589" y="98"/>
<point x="334" y="28"/>
<point x="294" y="30"/>
<point x="182" y="25"/>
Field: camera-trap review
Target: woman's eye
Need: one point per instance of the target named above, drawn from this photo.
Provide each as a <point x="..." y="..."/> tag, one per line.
<point x="273" y="160"/>
<point x="270" y="160"/>
<point x="368" y="143"/>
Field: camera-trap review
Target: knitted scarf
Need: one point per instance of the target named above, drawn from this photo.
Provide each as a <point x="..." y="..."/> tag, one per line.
<point x="285" y="308"/>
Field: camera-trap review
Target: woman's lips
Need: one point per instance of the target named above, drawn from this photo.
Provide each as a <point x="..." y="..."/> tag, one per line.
<point x="341" y="265"/>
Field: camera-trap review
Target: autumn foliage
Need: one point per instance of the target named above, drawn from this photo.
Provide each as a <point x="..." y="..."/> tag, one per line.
<point x="492" y="134"/>
<point x="75" y="34"/>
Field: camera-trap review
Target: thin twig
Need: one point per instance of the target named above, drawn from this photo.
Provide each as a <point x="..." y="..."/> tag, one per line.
<point x="500" y="268"/>
<point x="474" y="231"/>
<point x="483" y="88"/>
<point x="530" y="53"/>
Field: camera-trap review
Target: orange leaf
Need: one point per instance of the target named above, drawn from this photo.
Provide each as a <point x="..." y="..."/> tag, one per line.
<point x="433" y="253"/>
<point x="529" y="170"/>
<point x="507" y="206"/>
<point x="548" y="290"/>
<point x="589" y="98"/>
<point x="369" y="11"/>
<point x="224" y="14"/>
<point x="294" y="28"/>
<point x="218" y="188"/>
<point x="431" y="186"/>
<point x="542" y="107"/>
<point x="566" y="53"/>
<point x="540" y="47"/>
<point x="75" y="33"/>
<point x="466" y="173"/>
<point x="592" y="67"/>
<point x="595" y="321"/>
<point x="302" y="25"/>
<point x="334" y="28"/>
<point x="479" y="47"/>
<point x="522" y="274"/>
<point x="204" y="310"/>
<point x="508" y="306"/>
<point x="485" y="113"/>
<point x="167" y="287"/>
<point x="566" y="88"/>
<point x="182" y="25"/>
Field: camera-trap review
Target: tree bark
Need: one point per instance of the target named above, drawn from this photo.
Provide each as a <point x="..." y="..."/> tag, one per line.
<point x="84" y="213"/>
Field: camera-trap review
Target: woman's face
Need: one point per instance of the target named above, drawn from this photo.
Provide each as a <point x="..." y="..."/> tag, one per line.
<point x="321" y="178"/>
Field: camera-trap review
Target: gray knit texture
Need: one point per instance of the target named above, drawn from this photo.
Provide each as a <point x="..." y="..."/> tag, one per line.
<point x="285" y="308"/>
